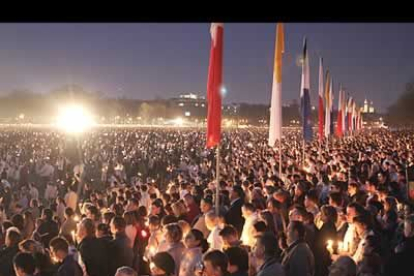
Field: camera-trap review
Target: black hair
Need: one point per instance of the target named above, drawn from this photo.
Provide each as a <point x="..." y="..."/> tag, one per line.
<point x="25" y="262"/>
<point x="336" y="197"/>
<point x="168" y="219"/>
<point x="260" y="226"/>
<point x="250" y="207"/>
<point x="199" y="236"/>
<point x="69" y="211"/>
<point x="228" y="230"/>
<point x="269" y="243"/>
<point x="238" y="257"/>
<point x="299" y="228"/>
<point x="58" y="243"/>
<point x="217" y="259"/>
<point x="119" y="223"/>
<point x="239" y="191"/>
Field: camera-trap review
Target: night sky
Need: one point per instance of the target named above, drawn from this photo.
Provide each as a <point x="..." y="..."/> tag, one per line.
<point x="162" y="60"/>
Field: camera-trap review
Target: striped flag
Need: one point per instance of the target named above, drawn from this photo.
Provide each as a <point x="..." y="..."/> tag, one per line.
<point x="214" y="84"/>
<point x="350" y="100"/>
<point x="327" y="106"/>
<point x="321" y="110"/>
<point x="305" y="96"/>
<point x="343" y="110"/>
<point x="275" y="126"/>
<point x="331" y="97"/>
<point x="339" y="126"/>
<point x="346" y="114"/>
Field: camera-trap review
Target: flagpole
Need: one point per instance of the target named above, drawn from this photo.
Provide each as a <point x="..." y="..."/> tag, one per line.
<point x="303" y="153"/>
<point x="218" y="180"/>
<point x="280" y="158"/>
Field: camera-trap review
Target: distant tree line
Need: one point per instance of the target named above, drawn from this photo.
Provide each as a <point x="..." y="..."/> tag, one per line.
<point x="401" y="113"/>
<point x="40" y="107"/>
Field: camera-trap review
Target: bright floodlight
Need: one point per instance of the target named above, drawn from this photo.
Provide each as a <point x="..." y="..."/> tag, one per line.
<point x="179" y="121"/>
<point x="223" y="91"/>
<point x="74" y="119"/>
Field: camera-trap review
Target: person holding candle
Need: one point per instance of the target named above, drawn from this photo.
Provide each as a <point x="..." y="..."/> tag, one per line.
<point x="265" y="253"/>
<point x="195" y="245"/>
<point x="59" y="249"/>
<point x="325" y="234"/>
<point x="69" y="225"/>
<point x="251" y="217"/>
<point x="371" y="262"/>
<point x="351" y="238"/>
<point x="213" y="225"/>
<point x="199" y="223"/>
<point x="93" y="252"/>
<point x="364" y="229"/>
<point x="297" y="259"/>
<point x="174" y="245"/>
<point x="123" y="254"/>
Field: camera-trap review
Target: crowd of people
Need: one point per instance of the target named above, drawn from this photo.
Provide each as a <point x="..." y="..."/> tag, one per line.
<point x="142" y="201"/>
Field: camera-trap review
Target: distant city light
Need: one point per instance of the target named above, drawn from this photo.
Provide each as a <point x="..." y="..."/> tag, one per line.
<point x="74" y="119"/>
<point x="187" y="114"/>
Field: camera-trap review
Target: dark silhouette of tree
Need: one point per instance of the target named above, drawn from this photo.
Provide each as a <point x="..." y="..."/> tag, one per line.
<point x="401" y="113"/>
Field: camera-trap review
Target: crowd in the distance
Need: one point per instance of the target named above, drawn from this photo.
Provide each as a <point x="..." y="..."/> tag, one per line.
<point x="143" y="203"/>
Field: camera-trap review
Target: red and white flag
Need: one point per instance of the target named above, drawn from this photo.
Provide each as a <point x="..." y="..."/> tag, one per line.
<point x="214" y="85"/>
<point x="339" y="126"/>
<point x="321" y="109"/>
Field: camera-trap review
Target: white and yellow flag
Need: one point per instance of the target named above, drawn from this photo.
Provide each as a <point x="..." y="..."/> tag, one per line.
<point x="275" y="126"/>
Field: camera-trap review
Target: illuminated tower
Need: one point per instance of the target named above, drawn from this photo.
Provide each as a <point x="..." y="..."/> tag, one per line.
<point x="365" y="106"/>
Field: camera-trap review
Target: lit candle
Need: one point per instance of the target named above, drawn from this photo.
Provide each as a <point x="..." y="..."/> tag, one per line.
<point x="340" y="246"/>
<point x="76" y="218"/>
<point x="144" y="233"/>
<point x="329" y="246"/>
<point x="73" y="236"/>
<point x="346" y="244"/>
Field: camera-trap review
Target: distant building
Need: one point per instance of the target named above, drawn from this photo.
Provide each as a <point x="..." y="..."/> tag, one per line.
<point x="368" y="108"/>
<point x="371" y="108"/>
<point x="189" y="105"/>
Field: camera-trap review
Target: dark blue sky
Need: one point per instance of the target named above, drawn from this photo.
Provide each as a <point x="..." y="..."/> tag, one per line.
<point x="148" y="60"/>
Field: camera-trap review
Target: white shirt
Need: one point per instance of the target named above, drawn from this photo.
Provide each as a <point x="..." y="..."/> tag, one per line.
<point x="34" y="193"/>
<point x="350" y="239"/>
<point x="71" y="199"/>
<point x="214" y="239"/>
<point x="360" y="249"/>
<point x="247" y="237"/>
